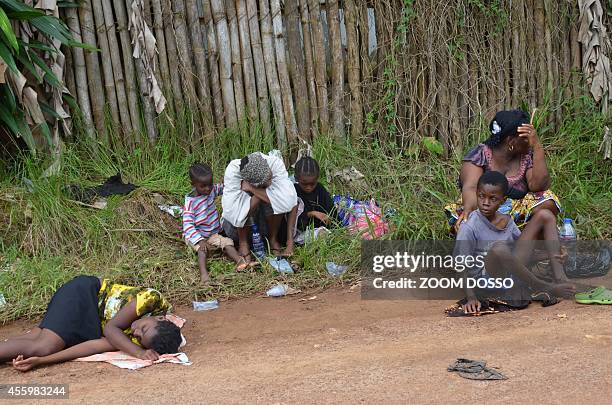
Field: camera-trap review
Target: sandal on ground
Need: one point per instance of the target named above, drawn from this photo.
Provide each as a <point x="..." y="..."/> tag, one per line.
<point x="545" y="298"/>
<point x="598" y="295"/>
<point x="243" y="264"/>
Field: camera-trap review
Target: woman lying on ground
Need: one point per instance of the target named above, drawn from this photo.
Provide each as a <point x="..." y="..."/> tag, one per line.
<point x="513" y="148"/>
<point x="89" y="316"/>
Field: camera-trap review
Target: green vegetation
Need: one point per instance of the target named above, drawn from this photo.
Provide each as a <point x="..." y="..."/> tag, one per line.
<point x="28" y="64"/>
<point x="46" y="238"/>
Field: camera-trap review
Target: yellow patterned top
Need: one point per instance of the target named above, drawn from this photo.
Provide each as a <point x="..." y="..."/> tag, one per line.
<point x="112" y="297"/>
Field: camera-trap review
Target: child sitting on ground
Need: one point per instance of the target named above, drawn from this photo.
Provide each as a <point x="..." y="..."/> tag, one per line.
<point x="201" y="225"/>
<point x="318" y="203"/>
<point x="88" y="316"/>
<point x="486" y="227"/>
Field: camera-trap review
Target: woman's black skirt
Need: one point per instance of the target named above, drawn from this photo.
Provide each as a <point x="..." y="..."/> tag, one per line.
<point x="73" y="313"/>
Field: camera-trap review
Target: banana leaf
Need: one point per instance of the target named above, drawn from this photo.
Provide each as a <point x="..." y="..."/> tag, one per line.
<point x="5" y="26"/>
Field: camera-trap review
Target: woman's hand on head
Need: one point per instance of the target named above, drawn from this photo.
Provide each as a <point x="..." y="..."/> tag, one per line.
<point x="246" y="186"/>
<point x="21" y="364"/>
<point x="528" y="132"/>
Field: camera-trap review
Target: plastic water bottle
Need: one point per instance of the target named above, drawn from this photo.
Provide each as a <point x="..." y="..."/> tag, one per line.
<point x="335" y="270"/>
<point x="258" y="246"/>
<point x="567" y="236"/>
<point x="205" y="305"/>
<point x="278" y="290"/>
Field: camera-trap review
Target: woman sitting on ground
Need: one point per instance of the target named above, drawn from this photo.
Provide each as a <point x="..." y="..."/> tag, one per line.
<point x="513" y="148"/>
<point x="88" y="316"/>
<point x="258" y="183"/>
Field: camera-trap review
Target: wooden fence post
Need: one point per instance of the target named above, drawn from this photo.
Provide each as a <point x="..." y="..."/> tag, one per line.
<point x="225" y="63"/>
<point x="296" y="67"/>
<point x="248" y="71"/>
<point x="115" y="58"/>
<point x="352" y="39"/>
<point x="319" y="63"/>
<point x="310" y="70"/>
<point x="213" y="64"/>
<point x="337" y="70"/>
<point x="80" y="72"/>
<point x="260" y="69"/>
<point x="236" y="65"/>
<point x="271" y="73"/>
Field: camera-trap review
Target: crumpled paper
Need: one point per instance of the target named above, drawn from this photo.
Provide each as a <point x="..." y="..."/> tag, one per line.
<point x="350" y="176"/>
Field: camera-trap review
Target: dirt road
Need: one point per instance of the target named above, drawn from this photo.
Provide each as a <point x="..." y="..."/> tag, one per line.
<point x="339" y="349"/>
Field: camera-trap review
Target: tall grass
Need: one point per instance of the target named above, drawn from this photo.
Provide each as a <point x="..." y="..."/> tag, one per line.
<point x="46" y="238"/>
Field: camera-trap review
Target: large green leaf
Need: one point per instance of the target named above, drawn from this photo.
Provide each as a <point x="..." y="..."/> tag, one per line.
<point x="49" y="75"/>
<point x="7" y="57"/>
<point x="17" y="124"/>
<point x="7" y="95"/>
<point x="15" y="5"/>
<point x="34" y="44"/>
<point x="26" y="133"/>
<point x="24" y="15"/>
<point x="46" y="108"/>
<point x="29" y="66"/>
<point x="71" y="101"/>
<point x="53" y="28"/>
<point x="7" y="118"/>
<point x="7" y="28"/>
<point x="27" y="56"/>
<point x="44" y="128"/>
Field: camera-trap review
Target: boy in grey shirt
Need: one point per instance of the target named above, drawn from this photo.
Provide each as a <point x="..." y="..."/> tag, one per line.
<point x="490" y="234"/>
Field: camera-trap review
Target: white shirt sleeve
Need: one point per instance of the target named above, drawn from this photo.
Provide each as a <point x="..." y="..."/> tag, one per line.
<point x="234" y="201"/>
<point x="281" y="192"/>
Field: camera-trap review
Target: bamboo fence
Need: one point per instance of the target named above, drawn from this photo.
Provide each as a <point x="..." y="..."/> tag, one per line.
<point x="350" y="69"/>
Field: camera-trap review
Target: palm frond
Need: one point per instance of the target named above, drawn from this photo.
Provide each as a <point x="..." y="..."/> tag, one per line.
<point x="5" y="26"/>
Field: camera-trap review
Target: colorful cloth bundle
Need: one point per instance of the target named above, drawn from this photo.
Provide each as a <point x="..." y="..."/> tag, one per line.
<point x="361" y="217"/>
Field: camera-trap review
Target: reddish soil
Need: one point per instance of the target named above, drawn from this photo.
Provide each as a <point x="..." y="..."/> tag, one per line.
<point x="338" y="348"/>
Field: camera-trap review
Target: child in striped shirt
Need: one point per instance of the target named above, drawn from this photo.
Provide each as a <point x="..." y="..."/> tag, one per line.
<point x="201" y="224"/>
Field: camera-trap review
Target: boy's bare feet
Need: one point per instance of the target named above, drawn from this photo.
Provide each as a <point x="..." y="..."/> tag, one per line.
<point x="288" y="252"/>
<point x="275" y="247"/>
<point x="205" y="278"/>
<point x="243" y="250"/>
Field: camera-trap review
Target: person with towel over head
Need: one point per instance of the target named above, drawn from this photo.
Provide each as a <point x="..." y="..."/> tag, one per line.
<point x="255" y="184"/>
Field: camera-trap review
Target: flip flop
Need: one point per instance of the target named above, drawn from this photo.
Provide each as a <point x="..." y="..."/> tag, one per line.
<point x="545" y="298"/>
<point x="598" y="295"/>
<point x="242" y="265"/>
